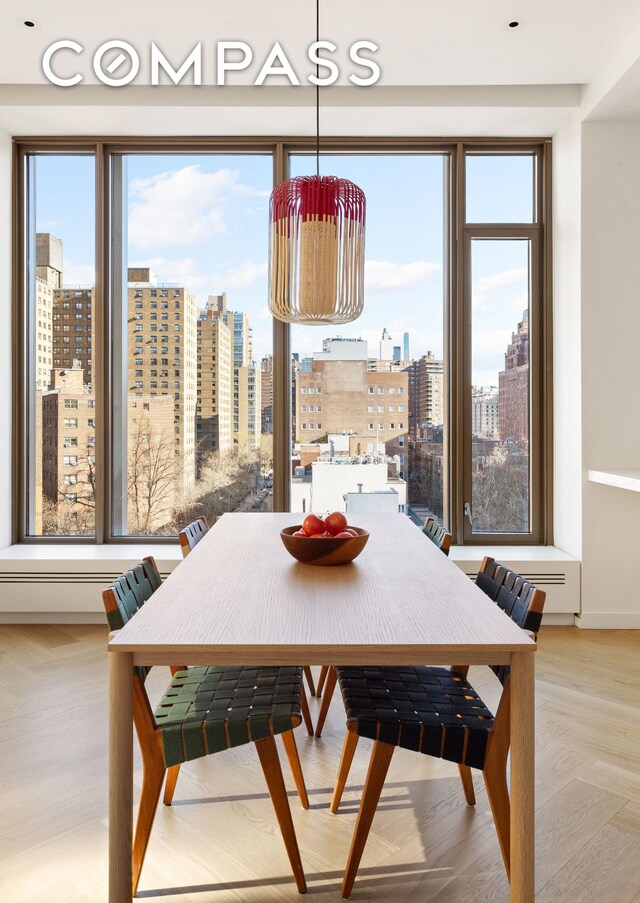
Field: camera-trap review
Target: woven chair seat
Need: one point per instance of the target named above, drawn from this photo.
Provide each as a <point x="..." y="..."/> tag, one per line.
<point x="430" y="710"/>
<point x="209" y="709"/>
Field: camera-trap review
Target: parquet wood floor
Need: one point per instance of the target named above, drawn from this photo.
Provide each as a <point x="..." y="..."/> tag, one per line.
<point x="219" y="842"/>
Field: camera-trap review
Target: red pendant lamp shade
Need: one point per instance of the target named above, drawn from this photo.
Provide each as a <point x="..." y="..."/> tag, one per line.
<point x="316" y="260"/>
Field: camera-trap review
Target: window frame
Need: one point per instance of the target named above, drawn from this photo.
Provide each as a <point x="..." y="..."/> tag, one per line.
<point x="456" y="320"/>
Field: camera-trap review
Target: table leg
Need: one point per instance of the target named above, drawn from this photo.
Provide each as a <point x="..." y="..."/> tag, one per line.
<point x="120" y="775"/>
<point x="522" y="777"/>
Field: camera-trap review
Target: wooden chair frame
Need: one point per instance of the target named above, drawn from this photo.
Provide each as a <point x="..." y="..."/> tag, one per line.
<point x="155" y="771"/>
<point x="494" y="771"/>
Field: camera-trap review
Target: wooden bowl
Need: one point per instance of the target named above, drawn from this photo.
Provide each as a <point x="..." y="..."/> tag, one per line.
<point x="323" y="551"/>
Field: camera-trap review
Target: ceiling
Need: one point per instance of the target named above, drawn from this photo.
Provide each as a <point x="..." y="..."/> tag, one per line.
<point x="421" y="42"/>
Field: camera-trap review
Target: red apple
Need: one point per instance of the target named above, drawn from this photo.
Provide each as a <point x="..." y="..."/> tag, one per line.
<point x="300" y="533"/>
<point x="336" y="522"/>
<point x="344" y="535"/>
<point x="312" y="525"/>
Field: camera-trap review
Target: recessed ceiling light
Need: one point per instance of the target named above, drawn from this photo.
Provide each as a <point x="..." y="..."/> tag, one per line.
<point x="29" y="24"/>
<point x="513" y="24"/>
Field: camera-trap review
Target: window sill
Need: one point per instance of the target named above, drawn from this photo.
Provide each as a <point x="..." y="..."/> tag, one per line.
<point x="61" y="583"/>
<point x="86" y="557"/>
<point x="509" y="553"/>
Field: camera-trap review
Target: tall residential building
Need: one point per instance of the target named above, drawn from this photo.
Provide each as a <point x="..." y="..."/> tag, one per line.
<point x="68" y="447"/>
<point x="397" y="353"/>
<point x="341" y="395"/>
<point x="266" y="393"/>
<point x="426" y="393"/>
<point x="73" y="329"/>
<point x="70" y="336"/>
<point x="48" y="278"/>
<point x="161" y="357"/>
<point x="247" y="414"/>
<point x="405" y="343"/>
<point x="49" y="259"/>
<point x="485" y="412"/>
<point x="514" y="386"/>
<point x="214" y="413"/>
<point x="43" y="348"/>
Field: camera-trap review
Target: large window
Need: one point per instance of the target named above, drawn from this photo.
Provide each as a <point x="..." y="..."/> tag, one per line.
<point x="190" y="429"/>
<point x="59" y="330"/>
<point x="375" y="436"/>
<point x="154" y="386"/>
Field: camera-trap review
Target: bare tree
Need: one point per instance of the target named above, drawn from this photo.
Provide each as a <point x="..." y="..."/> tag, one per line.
<point x="500" y="480"/>
<point x="154" y="470"/>
<point x="64" y="516"/>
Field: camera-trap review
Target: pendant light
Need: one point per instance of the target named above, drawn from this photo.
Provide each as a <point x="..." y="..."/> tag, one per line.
<point x="316" y="254"/>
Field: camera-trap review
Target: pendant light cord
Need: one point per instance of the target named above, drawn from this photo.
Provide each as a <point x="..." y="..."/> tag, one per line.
<point x="317" y="92"/>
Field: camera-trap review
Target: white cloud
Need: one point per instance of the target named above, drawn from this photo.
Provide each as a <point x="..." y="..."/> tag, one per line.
<point x="502" y="280"/>
<point x="182" y="206"/>
<point x="186" y="271"/>
<point x="248" y="271"/>
<point x="508" y="279"/>
<point x="78" y="273"/>
<point x="381" y="275"/>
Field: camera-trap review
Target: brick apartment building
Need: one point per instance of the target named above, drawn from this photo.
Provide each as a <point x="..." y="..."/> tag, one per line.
<point x="514" y="386"/>
<point x="340" y="394"/>
<point x="161" y="356"/>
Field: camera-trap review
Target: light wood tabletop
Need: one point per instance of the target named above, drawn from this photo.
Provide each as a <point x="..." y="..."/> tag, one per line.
<point x="240" y="598"/>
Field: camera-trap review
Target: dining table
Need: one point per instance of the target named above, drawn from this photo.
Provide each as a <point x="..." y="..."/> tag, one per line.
<point x="240" y="598"/>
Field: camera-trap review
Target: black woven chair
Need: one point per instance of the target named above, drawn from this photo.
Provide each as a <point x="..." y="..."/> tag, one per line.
<point x="437" y="534"/>
<point x="434" y="711"/>
<point x="328" y="676"/>
<point x="206" y="710"/>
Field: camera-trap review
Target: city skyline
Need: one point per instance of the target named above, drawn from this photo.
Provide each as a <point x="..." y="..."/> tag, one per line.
<point x="201" y="221"/>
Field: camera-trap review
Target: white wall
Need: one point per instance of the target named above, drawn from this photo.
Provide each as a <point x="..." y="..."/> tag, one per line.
<point x="567" y="419"/>
<point x="611" y="369"/>
<point x="5" y="337"/>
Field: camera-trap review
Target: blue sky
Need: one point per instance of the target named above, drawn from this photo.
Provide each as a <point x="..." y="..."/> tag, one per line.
<point x="202" y="221"/>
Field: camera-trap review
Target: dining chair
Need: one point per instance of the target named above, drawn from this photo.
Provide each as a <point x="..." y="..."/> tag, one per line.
<point x="191" y="535"/>
<point x="435" y="711"/>
<point x="206" y="710"/>
<point x="437" y="534"/>
<point x="189" y="538"/>
<point x="328" y="675"/>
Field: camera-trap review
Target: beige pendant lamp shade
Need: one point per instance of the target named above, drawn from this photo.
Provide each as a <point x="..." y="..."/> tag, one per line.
<point x="316" y="259"/>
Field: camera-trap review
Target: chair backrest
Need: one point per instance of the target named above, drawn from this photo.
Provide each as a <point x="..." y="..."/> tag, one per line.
<point x="437" y="534"/>
<point x="521" y="600"/>
<point x="128" y="593"/>
<point x="191" y="535"/>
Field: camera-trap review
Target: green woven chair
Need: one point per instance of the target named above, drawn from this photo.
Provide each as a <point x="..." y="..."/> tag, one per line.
<point x="206" y="710"/>
<point x="189" y="538"/>
<point x="328" y="675"/>
<point x="437" y="534"/>
<point x="437" y="712"/>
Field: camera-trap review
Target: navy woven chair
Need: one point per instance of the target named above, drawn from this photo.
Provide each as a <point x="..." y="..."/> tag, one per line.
<point x="328" y="676"/>
<point x="435" y="711"/>
<point x="206" y="710"/>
